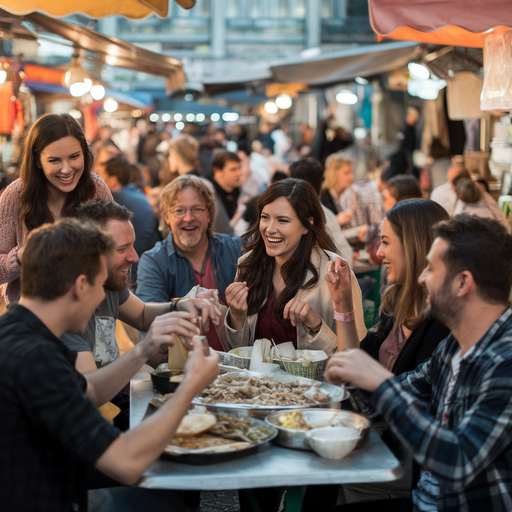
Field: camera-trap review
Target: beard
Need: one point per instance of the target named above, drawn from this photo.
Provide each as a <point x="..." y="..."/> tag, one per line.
<point x="444" y="307"/>
<point x="115" y="281"/>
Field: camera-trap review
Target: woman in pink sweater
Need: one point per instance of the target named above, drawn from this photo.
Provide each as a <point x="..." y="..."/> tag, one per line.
<point x="55" y="178"/>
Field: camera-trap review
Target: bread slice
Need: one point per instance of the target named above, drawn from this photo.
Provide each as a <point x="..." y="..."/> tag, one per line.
<point x="196" y="424"/>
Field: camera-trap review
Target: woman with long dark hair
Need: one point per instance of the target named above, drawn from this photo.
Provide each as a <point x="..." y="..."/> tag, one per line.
<point x="280" y="290"/>
<point x="55" y="178"/>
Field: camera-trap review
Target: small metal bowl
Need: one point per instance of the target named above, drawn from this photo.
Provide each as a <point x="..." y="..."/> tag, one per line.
<point x="317" y="418"/>
<point x="161" y="381"/>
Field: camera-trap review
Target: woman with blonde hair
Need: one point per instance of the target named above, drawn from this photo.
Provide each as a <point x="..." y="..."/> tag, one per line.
<point x="337" y="194"/>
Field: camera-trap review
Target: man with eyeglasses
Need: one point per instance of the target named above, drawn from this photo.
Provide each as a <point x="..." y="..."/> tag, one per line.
<point x="192" y="254"/>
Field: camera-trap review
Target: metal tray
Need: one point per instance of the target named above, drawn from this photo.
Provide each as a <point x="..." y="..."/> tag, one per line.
<point x="336" y="395"/>
<point x="214" y="458"/>
<point x="295" y="439"/>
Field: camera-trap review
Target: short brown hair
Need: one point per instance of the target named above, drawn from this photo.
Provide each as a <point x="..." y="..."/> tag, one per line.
<point x="56" y="254"/>
<point x="222" y="157"/>
<point x="119" y="167"/>
<point x="102" y="212"/>
<point x="466" y="190"/>
<point x="170" y="195"/>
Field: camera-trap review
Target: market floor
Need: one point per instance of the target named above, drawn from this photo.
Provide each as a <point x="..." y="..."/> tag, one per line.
<point x="219" y="501"/>
<point x="126" y="499"/>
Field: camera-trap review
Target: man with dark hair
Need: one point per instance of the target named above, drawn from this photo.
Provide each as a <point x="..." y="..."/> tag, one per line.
<point x="311" y="170"/>
<point x="97" y="345"/>
<point x="50" y="424"/>
<point x="116" y="174"/>
<point x="227" y="180"/>
<point x="400" y="188"/>
<point x="453" y="413"/>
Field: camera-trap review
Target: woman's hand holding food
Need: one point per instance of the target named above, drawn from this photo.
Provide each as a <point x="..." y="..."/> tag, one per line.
<point x="236" y="298"/>
<point x="338" y="279"/>
<point x="300" y="312"/>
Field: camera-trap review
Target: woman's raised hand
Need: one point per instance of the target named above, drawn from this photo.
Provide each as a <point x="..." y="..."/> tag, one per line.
<point x="300" y="312"/>
<point x="236" y="297"/>
<point x="338" y="279"/>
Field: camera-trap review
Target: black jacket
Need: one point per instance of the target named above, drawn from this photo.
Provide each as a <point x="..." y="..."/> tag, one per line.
<point x="417" y="349"/>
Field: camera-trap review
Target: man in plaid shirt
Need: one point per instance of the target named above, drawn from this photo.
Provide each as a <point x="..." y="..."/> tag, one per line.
<point x="454" y="412"/>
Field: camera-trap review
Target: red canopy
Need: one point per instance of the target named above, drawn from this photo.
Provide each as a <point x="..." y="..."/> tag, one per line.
<point x="447" y="22"/>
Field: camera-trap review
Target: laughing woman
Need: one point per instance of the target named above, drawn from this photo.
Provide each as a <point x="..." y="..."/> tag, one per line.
<point x="280" y="290"/>
<point x="405" y="336"/>
<point x="55" y="178"/>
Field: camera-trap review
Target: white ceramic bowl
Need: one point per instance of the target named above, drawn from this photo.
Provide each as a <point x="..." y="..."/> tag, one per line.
<point x="332" y="442"/>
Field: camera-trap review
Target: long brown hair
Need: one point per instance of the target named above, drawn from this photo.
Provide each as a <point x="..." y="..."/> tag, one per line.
<point x="34" y="197"/>
<point x="257" y="269"/>
<point x="412" y="222"/>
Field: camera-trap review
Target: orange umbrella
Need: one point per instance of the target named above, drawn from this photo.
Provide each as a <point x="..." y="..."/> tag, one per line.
<point x="445" y="22"/>
<point x="132" y="9"/>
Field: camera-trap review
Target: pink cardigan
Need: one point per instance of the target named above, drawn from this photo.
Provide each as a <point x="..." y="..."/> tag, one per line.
<point x="13" y="234"/>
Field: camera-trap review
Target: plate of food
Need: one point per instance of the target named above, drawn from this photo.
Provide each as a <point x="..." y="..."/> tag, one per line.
<point x="293" y="426"/>
<point x="258" y="394"/>
<point x="207" y="438"/>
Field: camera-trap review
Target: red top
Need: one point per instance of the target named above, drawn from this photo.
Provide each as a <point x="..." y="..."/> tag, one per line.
<point x="269" y="326"/>
<point x="206" y="279"/>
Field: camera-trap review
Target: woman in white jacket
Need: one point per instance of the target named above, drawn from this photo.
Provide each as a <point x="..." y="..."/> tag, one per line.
<point x="280" y="291"/>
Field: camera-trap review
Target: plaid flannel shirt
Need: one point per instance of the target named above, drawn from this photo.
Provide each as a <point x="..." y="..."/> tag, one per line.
<point x="472" y="456"/>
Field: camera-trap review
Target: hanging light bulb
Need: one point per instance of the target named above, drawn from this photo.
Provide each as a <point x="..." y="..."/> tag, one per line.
<point x="110" y="105"/>
<point x="77" y="79"/>
<point x="80" y="88"/>
<point x="270" y="107"/>
<point x="346" y="97"/>
<point x="418" y="71"/>
<point x="98" y="92"/>
<point x="284" y="101"/>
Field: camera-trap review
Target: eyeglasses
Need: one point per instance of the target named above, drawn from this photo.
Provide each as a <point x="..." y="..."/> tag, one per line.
<point x="179" y="213"/>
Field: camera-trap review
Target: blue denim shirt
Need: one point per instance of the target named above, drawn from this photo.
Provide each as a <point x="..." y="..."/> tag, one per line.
<point x="165" y="273"/>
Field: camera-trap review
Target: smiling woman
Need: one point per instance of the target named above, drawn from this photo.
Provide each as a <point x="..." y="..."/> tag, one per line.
<point x="280" y="291"/>
<point x="55" y="178"/>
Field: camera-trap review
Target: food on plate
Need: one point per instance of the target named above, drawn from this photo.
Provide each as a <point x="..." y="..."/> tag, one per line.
<point x="158" y="401"/>
<point x="244" y="389"/>
<point x="232" y="427"/>
<point x="201" y="430"/>
<point x="294" y="421"/>
<point x="196" y="424"/>
<point x="199" y="441"/>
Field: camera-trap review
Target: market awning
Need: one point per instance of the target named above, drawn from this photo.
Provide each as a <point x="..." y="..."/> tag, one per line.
<point x="132" y="9"/>
<point x="115" y="52"/>
<point x="335" y="67"/>
<point x="445" y="22"/>
<point x="325" y="69"/>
